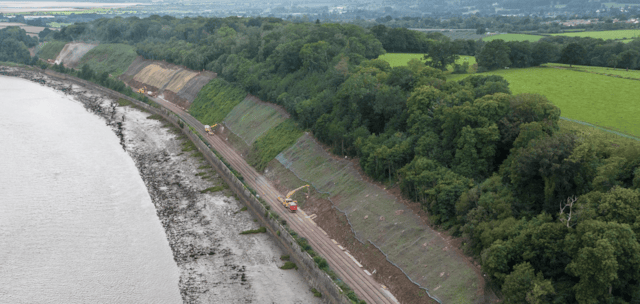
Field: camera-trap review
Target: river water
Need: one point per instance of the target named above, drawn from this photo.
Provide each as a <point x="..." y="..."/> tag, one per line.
<point x="76" y="222"/>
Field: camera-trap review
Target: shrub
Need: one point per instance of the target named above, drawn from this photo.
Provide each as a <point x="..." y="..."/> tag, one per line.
<point x="254" y="231"/>
<point x="289" y="265"/>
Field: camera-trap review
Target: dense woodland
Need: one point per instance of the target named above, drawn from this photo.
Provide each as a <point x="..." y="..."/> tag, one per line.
<point x="15" y="45"/>
<point x="552" y="216"/>
<point x="559" y="49"/>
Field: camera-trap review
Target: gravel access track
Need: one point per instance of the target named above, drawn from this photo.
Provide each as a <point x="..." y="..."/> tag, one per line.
<point x="363" y="285"/>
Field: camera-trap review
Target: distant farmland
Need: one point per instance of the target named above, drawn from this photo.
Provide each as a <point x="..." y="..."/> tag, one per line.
<point x="513" y="37"/>
<point x="617" y="35"/>
<point x="605" y="101"/>
<point x="454" y="33"/>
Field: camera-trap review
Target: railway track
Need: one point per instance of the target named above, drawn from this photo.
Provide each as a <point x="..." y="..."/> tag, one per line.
<point x="362" y="284"/>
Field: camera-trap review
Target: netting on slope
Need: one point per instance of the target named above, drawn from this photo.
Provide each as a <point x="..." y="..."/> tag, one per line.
<point x="250" y="119"/>
<point x="375" y="216"/>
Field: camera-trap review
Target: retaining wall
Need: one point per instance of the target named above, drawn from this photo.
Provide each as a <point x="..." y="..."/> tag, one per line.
<point x="316" y="278"/>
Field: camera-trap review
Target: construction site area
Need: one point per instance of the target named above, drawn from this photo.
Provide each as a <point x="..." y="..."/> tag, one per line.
<point x="382" y="232"/>
<point x="171" y="82"/>
<point x="376" y="241"/>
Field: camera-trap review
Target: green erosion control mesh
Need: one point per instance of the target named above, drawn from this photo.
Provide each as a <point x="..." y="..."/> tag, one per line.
<point x="251" y="118"/>
<point x="375" y="216"/>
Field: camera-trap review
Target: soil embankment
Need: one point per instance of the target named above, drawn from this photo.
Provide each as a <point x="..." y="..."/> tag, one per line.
<point x="174" y="83"/>
<point x="217" y="264"/>
<point x="72" y="53"/>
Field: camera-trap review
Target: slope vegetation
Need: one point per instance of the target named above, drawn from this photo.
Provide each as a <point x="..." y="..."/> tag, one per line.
<point x="51" y="50"/>
<point x="111" y="58"/>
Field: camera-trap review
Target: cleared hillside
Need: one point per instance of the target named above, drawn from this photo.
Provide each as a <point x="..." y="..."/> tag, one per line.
<point x="73" y="52"/>
<point x="174" y="83"/>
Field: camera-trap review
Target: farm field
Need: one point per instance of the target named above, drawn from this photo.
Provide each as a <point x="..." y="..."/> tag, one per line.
<point x="30" y="29"/>
<point x="617" y="35"/>
<point x="400" y="59"/>
<point x="605" y="101"/>
<point x="454" y="33"/>
<point x="513" y="37"/>
<point x="635" y="74"/>
<point x="376" y="216"/>
<point x="111" y="58"/>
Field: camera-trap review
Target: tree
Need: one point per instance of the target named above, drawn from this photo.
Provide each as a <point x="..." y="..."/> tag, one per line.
<point x="628" y="59"/>
<point x="573" y="53"/>
<point x="524" y="286"/>
<point x="544" y="52"/>
<point x="494" y="55"/>
<point x="606" y="260"/>
<point x="481" y="30"/>
<point x="520" y="54"/>
<point x="441" y="54"/>
<point x="44" y="33"/>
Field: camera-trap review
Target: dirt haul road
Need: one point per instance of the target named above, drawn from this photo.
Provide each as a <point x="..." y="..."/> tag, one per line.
<point x="363" y="284"/>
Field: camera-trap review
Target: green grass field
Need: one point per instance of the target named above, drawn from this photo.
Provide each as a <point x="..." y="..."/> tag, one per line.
<point x="635" y="74"/>
<point x="400" y="59"/>
<point x="619" y="34"/>
<point x="111" y="58"/>
<point x="51" y="49"/>
<point x="513" y="37"/>
<point x="605" y="101"/>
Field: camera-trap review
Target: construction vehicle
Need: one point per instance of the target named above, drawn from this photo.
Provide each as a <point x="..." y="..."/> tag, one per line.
<point x="288" y="202"/>
<point x="142" y="90"/>
<point x="209" y="129"/>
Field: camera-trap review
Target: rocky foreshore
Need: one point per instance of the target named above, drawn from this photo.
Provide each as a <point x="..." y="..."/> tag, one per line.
<point x="217" y="265"/>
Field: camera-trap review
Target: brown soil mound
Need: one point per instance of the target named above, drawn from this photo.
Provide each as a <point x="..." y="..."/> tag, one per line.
<point x="176" y="84"/>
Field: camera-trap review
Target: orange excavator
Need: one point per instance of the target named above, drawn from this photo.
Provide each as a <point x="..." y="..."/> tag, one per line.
<point x="209" y="129"/>
<point x="288" y="202"/>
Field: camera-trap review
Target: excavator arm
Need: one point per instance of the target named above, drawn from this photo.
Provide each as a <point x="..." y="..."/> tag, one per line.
<point x="292" y="192"/>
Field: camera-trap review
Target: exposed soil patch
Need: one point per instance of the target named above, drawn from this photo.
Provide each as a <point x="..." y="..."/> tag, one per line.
<point x="176" y="83"/>
<point x="72" y="53"/>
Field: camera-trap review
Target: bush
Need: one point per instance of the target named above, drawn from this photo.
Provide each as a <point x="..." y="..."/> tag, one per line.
<point x="316" y="293"/>
<point x="254" y="231"/>
<point x="289" y="265"/>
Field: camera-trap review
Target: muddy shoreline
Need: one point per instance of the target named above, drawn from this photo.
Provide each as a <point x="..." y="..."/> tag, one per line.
<point x="216" y="264"/>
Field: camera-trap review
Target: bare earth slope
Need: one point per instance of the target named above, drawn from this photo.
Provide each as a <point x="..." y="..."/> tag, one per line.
<point x="72" y="53"/>
<point x="174" y="83"/>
